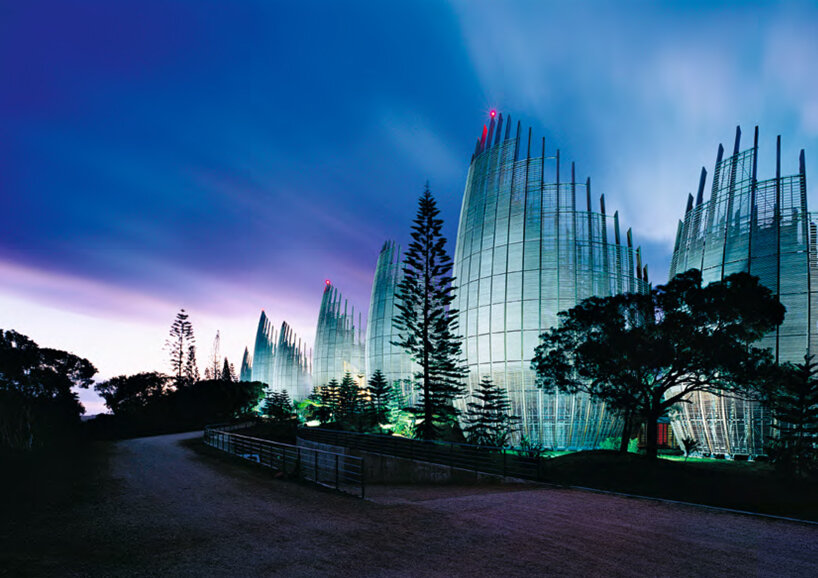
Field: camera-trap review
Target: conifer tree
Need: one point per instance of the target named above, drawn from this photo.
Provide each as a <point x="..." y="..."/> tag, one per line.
<point x="348" y="398"/>
<point x="426" y="323"/>
<point x="228" y="373"/>
<point x="181" y="345"/>
<point x="793" y="400"/>
<point x="278" y="406"/>
<point x="327" y="401"/>
<point x="488" y="419"/>
<point x="379" y="391"/>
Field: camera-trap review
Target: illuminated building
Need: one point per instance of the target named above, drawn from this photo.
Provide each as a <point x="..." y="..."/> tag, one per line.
<point x="291" y="367"/>
<point x="524" y="252"/>
<point x="393" y="361"/>
<point x="763" y="228"/>
<point x="339" y="346"/>
<point x="264" y="351"/>
<point x="246" y="373"/>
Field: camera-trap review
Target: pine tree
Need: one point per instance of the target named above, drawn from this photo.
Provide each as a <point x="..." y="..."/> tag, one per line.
<point x="278" y="406"/>
<point x="427" y="325"/>
<point x="349" y="399"/>
<point x="327" y="402"/>
<point x="380" y="393"/>
<point x="181" y="345"/>
<point x="489" y="420"/>
<point x="227" y="373"/>
<point x="794" y="404"/>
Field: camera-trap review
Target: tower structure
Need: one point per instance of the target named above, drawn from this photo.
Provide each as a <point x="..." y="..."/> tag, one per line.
<point x="339" y="345"/>
<point x="246" y="373"/>
<point x="292" y="369"/>
<point x="761" y="227"/>
<point x="529" y="244"/>
<point x="392" y="360"/>
<point x="264" y="351"/>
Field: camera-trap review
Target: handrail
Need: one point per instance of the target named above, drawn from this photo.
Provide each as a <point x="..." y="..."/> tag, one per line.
<point x="330" y="469"/>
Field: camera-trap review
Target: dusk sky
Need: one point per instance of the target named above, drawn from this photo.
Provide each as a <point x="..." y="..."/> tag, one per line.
<point x="227" y="157"/>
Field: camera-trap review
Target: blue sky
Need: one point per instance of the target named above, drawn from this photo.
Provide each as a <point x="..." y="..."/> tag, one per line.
<point x="229" y="157"/>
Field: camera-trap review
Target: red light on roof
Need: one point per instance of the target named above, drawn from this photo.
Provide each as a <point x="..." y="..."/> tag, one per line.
<point x="493" y="113"/>
<point x="327" y="282"/>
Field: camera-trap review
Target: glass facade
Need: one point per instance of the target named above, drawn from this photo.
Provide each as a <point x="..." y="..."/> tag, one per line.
<point x="524" y="252"/>
<point x="264" y="351"/>
<point x="246" y="373"/>
<point x="393" y="361"/>
<point x="339" y="346"/>
<point x="292" y="369"/>
<point x="761" y="227"/>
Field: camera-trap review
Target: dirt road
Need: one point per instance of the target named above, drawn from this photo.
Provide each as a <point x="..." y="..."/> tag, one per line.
<point x="165" y="509"/>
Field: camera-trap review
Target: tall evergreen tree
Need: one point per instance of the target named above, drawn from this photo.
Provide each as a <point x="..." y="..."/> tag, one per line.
<point x="379" y="392"/>
<point x="793" y="399"/>
<point x="327" y="401"/>
<point x="228" y="373"/>
<point x="181" y="344"/>
<point x="278" y="406"/>
<point x="426" y="323"/>
<point x="488" y="419"/>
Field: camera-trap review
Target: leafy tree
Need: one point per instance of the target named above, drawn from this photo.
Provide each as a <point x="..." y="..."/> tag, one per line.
<point x="427" y="325"/>
<point x="488" y="420"/>
<point x="793" y="398"/>
<point x="37" y="405"/>
<point x="131" y="394"/>
<point x="181" y="344"/>
<point x="380" y="392"/>
<point x="643" y="353"/>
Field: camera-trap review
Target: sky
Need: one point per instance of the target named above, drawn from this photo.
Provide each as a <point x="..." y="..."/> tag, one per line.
<point x="228" y="157"/>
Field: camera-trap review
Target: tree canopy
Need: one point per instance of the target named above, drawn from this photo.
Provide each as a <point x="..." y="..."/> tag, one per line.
<point x="37" y="404"/>
<point x="488" y="418"/>
<point x="643" y="353"/>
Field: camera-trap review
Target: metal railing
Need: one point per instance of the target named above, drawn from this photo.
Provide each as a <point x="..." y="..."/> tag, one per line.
<point x="497" y="461"/>
<point x="330" y="469"/>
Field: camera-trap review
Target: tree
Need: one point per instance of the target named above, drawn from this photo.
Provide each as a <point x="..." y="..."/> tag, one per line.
<point x="326" y="397"/>
<point x="380" y="392"/>
<point x="488" y="420"/>
<point x="228" y="372"/>
<point x="643" y="353"/>
<point x="349" y="399"/>
<point x="278" y="406"/>
<point x="426" y="323"/>
<point x="38" y="407"/>
<point x="181" y="344"/>
<point x="130" y="394"/>
<point x="793" y="400"/>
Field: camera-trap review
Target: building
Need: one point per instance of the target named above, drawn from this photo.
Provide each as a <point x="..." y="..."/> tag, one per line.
<point x="529" y="245"/>
<point x="264" y="351"/>
<point x="763" y="228"/>
<point x="246" y="373"/>
<point x="292" y="369"/>
<point x="393" y="361"/>
<point x="339" y="344"/>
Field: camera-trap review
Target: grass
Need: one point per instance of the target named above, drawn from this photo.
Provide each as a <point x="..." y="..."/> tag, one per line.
<point x="750" y="486"/>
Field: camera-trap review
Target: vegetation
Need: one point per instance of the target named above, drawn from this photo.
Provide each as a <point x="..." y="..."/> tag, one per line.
<point x="793" y="400"/>
<point x="144" y="404"/>
<point x="379" y="392"/>
<point x="427" y="324"/>
<point x="489" y="421"/>
<point x="38" y="409"/>
<point x="278" y="407"/>
<point x="643" y="353"/>
<point x="181" y="345"/>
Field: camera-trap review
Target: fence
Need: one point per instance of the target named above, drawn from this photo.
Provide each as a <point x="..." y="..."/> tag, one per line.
<point x="480" y="459"/>
<point x="342" y="472"/>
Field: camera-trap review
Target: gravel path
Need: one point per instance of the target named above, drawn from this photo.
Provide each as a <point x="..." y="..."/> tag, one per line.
<point x="169" y="510"/>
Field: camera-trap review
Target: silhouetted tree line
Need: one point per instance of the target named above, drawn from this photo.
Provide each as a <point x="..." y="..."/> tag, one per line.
<point x="150" y="403"/>
<point x="38" y="409"/>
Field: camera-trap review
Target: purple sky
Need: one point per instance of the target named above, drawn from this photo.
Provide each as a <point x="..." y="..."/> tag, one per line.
<point x="229" y="157"/>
